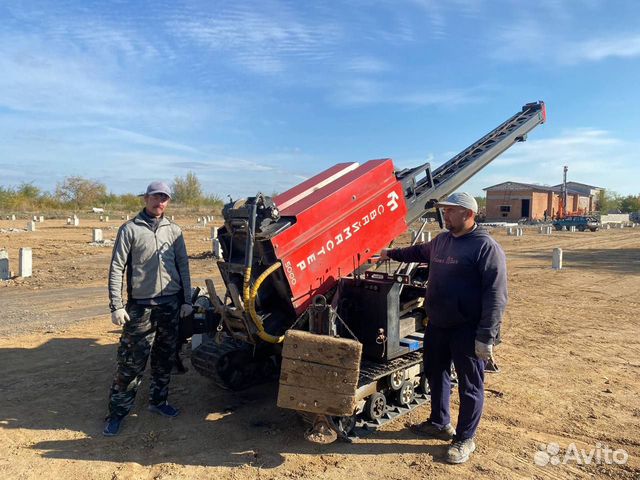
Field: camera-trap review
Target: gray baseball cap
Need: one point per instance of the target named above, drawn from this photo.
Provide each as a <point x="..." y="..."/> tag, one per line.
<point x="158" y="187"/>
<point x="460" y="199"/>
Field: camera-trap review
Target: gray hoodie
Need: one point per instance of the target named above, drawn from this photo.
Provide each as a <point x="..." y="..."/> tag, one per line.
<point x="467" y="281"/>
<point x="154" y="257"/>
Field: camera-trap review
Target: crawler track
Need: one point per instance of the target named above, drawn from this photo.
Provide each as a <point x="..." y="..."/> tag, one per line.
<point x="233" y="365"/>
<point x="371" y="372"/>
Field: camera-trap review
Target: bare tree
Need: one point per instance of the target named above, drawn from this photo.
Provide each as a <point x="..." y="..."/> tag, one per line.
<point x="80" y="192"/>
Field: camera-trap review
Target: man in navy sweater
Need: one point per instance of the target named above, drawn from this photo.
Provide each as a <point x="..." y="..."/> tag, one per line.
<point x="465" y="299"/>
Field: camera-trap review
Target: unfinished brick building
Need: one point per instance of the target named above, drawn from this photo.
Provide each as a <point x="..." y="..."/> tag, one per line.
<point x="513" y="201"/>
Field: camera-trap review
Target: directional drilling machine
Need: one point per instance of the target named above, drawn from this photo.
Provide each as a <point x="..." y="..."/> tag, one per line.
<point x="302" y="261"/>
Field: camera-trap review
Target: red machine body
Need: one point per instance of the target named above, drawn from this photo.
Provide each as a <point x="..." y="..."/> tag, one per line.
<point x="343" y="216"/>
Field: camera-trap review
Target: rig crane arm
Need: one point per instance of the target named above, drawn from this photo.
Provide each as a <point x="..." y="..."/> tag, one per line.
<point x="445" y="179"/>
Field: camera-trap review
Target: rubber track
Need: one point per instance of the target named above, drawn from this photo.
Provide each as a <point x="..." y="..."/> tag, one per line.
<point x="370" y="372"/>
<point x="205" y="359"/>
<point x="364" y="426"/>
<point x="254" y="368"/>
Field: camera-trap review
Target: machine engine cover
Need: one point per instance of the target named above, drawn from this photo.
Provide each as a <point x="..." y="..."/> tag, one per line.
<point x="343" y="216"/>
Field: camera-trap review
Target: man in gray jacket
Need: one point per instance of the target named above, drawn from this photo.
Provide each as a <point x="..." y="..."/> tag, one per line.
<point x="151" y="251"/>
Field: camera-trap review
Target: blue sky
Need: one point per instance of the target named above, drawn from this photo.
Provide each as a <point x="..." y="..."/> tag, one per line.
<point x="257" y="96"/>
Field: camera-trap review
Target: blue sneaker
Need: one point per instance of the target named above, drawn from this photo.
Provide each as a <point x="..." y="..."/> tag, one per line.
<point x="165" y="410"/>
<point x="112" y="426"/>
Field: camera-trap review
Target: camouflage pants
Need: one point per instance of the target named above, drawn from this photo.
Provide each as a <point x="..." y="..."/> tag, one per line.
<point x="152" y="329"/>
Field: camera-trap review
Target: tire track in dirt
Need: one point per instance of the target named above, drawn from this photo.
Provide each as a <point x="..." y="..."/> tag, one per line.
<point x="26" y="311"/>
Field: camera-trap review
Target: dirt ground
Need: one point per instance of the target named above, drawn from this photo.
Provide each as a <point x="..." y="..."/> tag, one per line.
<point x="570" y="368"/>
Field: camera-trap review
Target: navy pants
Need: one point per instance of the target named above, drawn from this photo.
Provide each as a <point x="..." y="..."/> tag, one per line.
<point x="441" y="347"/>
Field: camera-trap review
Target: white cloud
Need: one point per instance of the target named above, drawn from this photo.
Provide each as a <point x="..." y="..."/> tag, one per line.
<point x="595" y="157"/>
<point x="525" y="41"/>
<point x="257" y="41"/>
<point x="125" y="161"/>
<point x="579" y="146"/>
<point x="364" y="91"/>
<point x="140" y="139"/>
<point x="367" y="64"/>
<point x="108" y="33"/>
<point x="36" y="79"/>
<point x="413" y="162"/>
<point x="436" y="16"/>
<point x="39" y="78"/>
<point x="246" y="175"/>
<point x="533" y="41"/>
<point x="621" y="46"/>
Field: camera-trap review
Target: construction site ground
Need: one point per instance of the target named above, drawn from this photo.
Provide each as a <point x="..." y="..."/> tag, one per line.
<point x="570" y="365"/>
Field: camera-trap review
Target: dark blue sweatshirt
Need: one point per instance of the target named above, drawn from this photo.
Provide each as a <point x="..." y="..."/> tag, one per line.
<point x="467" y="280"/>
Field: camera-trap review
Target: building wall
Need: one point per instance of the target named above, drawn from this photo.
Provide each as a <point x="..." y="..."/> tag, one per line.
<point x="584" y="204"/>
<point x="538" y="205"/>
<point x="500" y="200"/>
<point x="576" y="203"/>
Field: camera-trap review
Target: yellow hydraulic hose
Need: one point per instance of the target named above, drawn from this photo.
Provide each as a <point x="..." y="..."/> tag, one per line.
<point x="249" y="295"/>
<point x="246" y="289"/>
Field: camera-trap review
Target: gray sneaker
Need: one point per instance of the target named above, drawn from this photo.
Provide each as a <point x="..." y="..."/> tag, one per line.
<point x="460" y="450"/>
<point x="428" y="429"/>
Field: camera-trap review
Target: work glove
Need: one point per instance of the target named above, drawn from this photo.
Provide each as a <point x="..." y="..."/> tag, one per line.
<point x="484" y="351"/>
<point x="119" y="317"/>
<point x="185" y="310"/>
